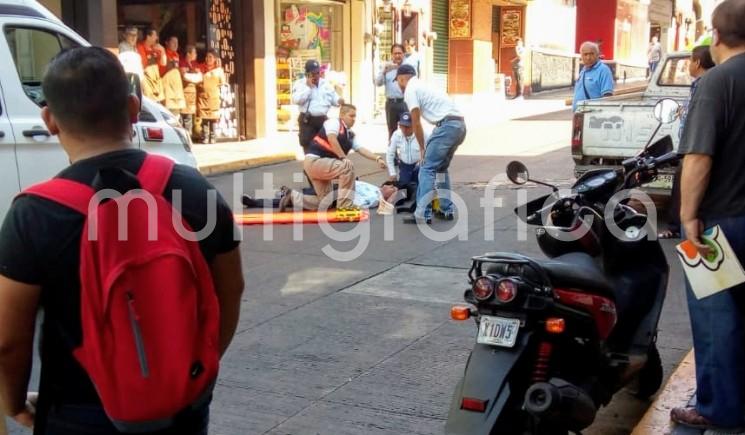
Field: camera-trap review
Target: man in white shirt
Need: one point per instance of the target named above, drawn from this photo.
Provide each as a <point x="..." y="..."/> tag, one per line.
<point x="326" y="160"/>
<point x="394" y="98"/>
<point x="450" y="131"/>
<point x="404" y="149"/>
<point x="314" y="98"/>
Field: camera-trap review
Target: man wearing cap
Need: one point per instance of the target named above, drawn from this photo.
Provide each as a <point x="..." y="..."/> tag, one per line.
<point x="450" y="131"/>
<point x="314" y="98"/>
<point x="404" y="149"/>
<point x="394" y="97"/>
<point x="326" y="160"/>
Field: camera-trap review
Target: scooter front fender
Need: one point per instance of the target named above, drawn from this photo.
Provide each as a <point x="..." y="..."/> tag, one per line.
<point x="485" y="378"/>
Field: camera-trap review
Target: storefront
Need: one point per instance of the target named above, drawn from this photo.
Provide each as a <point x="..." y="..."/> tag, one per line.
<point x="307" y="30"/>
<point x="204" y="24"/>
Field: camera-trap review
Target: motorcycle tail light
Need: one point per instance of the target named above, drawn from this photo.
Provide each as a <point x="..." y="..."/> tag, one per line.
<point x="555" y="325"/>
<point x="471" y="404"/>
<point x="460" y="312"/>
<point x="603" y="310"/>
<point x="506" y="290"/>
<point x="483" y="288"/>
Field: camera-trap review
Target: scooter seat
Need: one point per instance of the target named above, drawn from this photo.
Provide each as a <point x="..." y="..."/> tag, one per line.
<point x="578" y="270"/>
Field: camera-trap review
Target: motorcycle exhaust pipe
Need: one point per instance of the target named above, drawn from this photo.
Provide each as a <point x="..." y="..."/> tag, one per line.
<point x="561" y="402"/>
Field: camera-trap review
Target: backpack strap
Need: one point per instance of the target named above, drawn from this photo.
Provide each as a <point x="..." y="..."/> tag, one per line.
<point x="69" y="193"/>
<point x="155" y="173"/>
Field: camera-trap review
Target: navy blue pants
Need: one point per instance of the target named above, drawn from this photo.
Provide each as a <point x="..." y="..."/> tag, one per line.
<point x="407" y="173"/>
<point x="718" y="324"/>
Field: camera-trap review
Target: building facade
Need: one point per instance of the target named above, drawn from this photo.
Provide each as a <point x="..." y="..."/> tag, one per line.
<point x="262" y="45"/>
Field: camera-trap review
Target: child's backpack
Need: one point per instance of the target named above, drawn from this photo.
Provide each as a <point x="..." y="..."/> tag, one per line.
<point x="149" y="311"/>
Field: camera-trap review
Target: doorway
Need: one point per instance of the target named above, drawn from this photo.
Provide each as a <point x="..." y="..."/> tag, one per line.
<point x="508" y="24"/>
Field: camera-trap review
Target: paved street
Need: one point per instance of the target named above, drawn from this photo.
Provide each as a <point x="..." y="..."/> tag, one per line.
<point x="366" y="346"/>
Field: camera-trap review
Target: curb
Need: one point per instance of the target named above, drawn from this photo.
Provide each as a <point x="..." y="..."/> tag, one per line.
<point x="677" y="392"/>
<point x="242" y="164"/>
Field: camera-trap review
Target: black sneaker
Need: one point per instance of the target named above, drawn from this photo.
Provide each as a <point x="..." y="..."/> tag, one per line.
<point x="411" y="219"/>
<point x="446" y="216"/>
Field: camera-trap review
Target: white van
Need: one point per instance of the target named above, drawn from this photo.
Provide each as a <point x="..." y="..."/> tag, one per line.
<point x="30" y="36"/>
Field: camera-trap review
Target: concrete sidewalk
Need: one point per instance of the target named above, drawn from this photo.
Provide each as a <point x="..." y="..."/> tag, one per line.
<point x="678" y="391"/>
<point x="480" y="111"/>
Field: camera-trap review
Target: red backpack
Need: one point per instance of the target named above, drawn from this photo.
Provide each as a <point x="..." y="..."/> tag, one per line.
<point x="149" y="311"/>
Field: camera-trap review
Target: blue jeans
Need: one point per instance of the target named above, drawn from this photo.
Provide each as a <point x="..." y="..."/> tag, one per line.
<point x="441" y="147"/>
<point x="718" y="325"/>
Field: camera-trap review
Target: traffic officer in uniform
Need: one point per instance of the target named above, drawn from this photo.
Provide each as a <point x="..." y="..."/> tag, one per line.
<point x="314" y="98"/>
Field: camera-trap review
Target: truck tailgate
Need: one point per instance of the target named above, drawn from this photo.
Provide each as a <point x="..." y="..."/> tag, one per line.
<point x="621" y="130"/>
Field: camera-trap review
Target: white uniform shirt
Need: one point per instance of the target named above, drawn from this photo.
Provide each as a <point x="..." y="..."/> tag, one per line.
<point x="406" y="148"/>
<point x="332" y="126"/>
<point x="392" y="89"/>
<point x="433" y="104"/>
<point x="322" y="97"/>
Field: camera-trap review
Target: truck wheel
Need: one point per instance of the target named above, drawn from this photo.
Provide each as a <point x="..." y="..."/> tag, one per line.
<point x="650" y="376"/>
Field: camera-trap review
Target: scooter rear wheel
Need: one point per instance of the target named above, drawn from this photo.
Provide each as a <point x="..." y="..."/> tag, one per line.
<point x="650" y="377"/>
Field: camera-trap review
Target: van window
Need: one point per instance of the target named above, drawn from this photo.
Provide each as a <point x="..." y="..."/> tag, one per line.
<point x="32" y="50"/>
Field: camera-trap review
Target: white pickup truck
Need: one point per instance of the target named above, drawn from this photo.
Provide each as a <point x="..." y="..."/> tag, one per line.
<point x="608" y="130"/>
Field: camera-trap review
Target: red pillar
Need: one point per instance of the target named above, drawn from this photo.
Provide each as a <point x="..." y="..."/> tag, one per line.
<point x="596" y="21"/>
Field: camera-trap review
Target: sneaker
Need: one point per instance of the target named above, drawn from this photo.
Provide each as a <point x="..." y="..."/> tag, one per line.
<point x="445" y="215"/>
<point x="412" y="219"/>
<point x="689" y="416"/>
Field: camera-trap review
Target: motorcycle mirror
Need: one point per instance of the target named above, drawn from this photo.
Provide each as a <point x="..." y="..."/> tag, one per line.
<point x="666" y="111"/>
<point x="517" y="172"/>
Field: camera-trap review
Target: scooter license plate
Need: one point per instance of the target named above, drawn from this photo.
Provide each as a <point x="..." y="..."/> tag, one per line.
<point x="498" y="331"/>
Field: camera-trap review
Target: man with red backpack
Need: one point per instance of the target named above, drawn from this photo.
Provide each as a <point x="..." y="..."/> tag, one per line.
<point x="136" y="265"/>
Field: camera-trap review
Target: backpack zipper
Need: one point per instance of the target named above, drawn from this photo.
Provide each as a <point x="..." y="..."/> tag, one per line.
<point x="137" y="332"/>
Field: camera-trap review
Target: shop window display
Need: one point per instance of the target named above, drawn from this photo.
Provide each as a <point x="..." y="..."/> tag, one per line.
<point x="306" y="30"/>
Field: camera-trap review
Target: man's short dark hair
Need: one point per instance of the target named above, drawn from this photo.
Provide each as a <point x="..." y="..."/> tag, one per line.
<point x="727" y="20"/>
<point x="397" y="45"/>
<point x="87" y="91"/>
<point x="702" y="54"/>
<point x="345" y="108"/>
<point x="150" y="31"/>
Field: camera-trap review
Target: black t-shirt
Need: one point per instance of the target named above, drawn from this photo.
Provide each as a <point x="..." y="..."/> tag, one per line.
<point x="40" y="245"/>
<point x="715" y="126"/>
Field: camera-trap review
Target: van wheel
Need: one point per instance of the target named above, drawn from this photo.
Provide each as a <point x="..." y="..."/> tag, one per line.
<point x="650" y="376"/>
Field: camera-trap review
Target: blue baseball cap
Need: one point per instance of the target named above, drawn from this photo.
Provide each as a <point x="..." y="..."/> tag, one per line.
<point x="406" y="70"/>
<point x="312" y="66"/>
<point x="405" y="119"/>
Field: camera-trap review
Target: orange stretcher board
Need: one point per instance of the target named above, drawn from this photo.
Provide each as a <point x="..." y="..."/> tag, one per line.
<point x="304" y="217"/>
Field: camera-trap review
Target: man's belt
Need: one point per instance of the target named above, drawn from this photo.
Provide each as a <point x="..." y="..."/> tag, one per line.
<point x="313" y="116"/>
<point x="395" y="100"/>
<point x="449" y="118"/>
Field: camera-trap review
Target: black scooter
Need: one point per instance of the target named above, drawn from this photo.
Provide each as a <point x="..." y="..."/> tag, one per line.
<point x="558" y="338"/>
